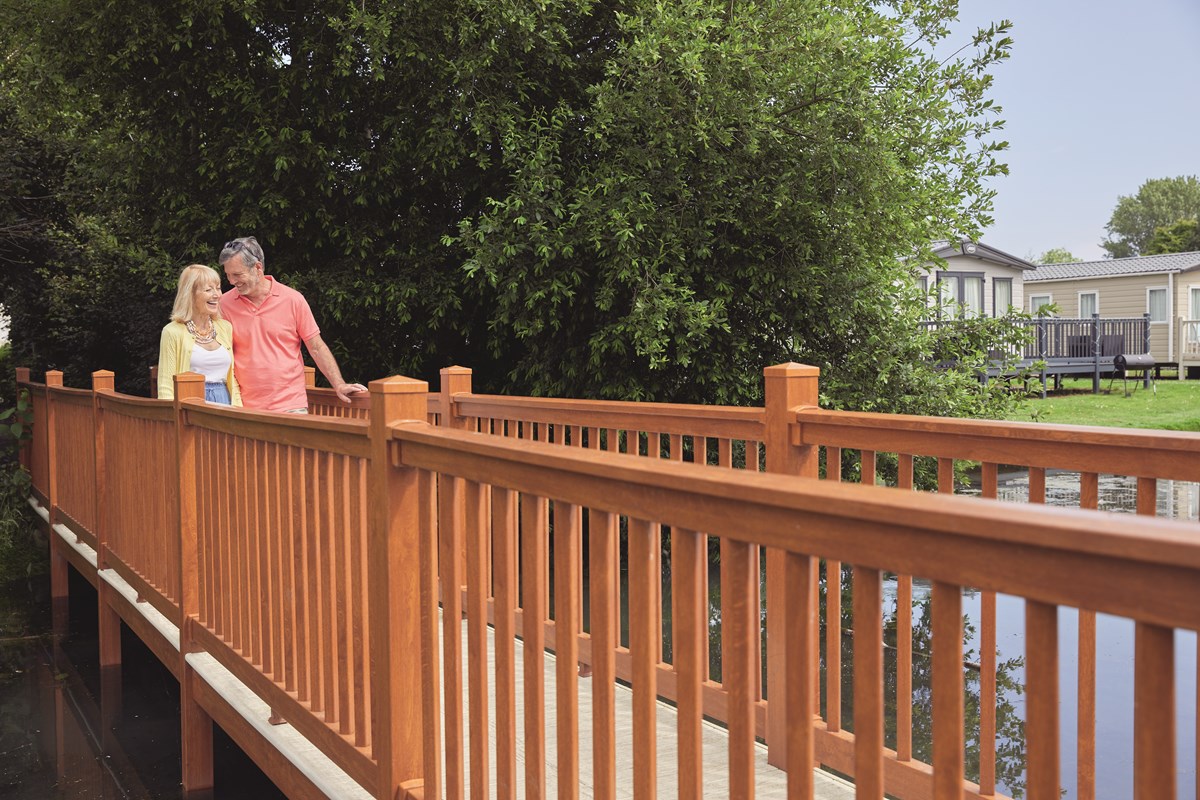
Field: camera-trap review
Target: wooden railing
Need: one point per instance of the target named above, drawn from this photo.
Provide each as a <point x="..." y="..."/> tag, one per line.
<point x="352" y="518"/>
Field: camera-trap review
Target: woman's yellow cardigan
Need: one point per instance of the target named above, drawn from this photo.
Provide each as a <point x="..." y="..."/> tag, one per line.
<point x="175" y="356"/>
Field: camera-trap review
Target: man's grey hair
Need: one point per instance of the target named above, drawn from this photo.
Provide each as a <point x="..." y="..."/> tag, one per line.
<point x="245" y="246"/>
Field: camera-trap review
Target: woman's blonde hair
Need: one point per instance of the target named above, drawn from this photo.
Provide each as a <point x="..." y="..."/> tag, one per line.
<point x="191" y="275"/>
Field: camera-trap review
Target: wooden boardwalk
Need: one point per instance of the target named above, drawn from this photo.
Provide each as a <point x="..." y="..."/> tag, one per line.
<point x="770" y="782"/>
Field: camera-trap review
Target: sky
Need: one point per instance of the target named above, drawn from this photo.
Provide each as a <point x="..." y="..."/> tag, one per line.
<point x="1098" y="97"/>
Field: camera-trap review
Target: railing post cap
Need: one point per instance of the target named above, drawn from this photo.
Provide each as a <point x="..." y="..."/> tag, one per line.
<point x="54" y="377"/>
<point x="397" y="384"/>
<point x="791" y="370"/>
<point x="103" y="373"/>
<point x="188" y="377"/>
<point x="456" y="370"/>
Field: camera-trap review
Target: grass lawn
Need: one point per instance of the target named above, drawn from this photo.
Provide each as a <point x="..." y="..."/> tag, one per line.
<point x="1169" y="405"/>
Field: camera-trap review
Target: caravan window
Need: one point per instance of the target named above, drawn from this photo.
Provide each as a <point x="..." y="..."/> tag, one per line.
<point x="1001" y="296"/>
<point x="1156" y="303"/>
<point x="1089" y="304"/>
<point x="961" y="294"/>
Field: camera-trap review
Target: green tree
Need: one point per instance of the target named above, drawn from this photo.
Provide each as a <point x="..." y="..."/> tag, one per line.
<point x="1056" y="255"/>
<point x="618" y="199"/>
<point x="1159" y="202"/>
<point x="1179" y="237"/>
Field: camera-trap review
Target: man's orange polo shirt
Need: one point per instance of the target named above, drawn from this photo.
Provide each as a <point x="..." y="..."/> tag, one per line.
<point x="266" y="346"/>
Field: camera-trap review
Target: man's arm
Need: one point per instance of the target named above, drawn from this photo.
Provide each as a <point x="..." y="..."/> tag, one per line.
<point x="328" y="365"/>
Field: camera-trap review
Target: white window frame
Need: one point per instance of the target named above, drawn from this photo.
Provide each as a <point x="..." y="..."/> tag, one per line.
<point x="1034" y="305"/>
<point x="1165" y="304"/>
<point x="1193" y="308"/>
<point x="1095" y="293"/>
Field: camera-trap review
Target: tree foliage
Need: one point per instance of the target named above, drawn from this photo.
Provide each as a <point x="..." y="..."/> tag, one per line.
<point x="1057" y="255"/>
<point x="616" y="199"/>
<point x="1158" y="202"/>
<point x="1179" y="237"/>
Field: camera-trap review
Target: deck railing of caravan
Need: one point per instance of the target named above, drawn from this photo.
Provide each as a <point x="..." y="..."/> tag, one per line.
<point x="1147" y="573"/>
<point x="1189" y="345"/>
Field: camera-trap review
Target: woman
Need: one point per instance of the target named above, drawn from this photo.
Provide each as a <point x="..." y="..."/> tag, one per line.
<point x="197" y="339"/>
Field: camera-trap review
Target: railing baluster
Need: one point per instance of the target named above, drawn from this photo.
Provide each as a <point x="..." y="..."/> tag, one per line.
<point x="645" y="651"/>
<point x="275" y="607"/>
<point x="833" y="614"/>
<point x="689" y="625"/>
<point x="340" y="535"/>
<point x="254" y="559"/>
<point x="289" y="536"/>
<point x="742" y="631"/>
<point x="431" y="663"/>
<point x="360" y="586"/>
<point x="904" y="639"/>
<point x="328" y="587"/>
<point x="568" y="535"/>
<point x="476" y="541"/>
<point x="987" y="661"/>
<point x="947" y="692"/>
<point x="1041" y="705"/>
<point x="534" y="512"/>
<point x="604" y="575"/>
<point x="1154" y="712"/>
<point x="800" y="602"/>
<point x="450" y="496"/>
<point x="504" y="527"/>
<point x="1089" y="498"/>
<point x="867" y="596"/>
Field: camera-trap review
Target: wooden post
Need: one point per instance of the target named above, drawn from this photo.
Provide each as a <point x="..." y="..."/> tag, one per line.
<point x="787" y="387"/>
<point x="109" y="619"/>
<point x="59" y="603"/>
<point x="102" y="381"/>
<point x="310" y="377"/>
<point x="455" y="380"/>
<point x="394" y="580"/>
<point x="154" y="382"/>
<point x="196" y="726"/>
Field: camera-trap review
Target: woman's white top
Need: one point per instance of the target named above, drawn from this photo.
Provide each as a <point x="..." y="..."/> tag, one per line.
<point x="212" y="364"/>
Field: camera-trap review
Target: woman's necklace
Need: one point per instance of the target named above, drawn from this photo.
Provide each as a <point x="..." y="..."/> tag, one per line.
<point x="202" y="338"/>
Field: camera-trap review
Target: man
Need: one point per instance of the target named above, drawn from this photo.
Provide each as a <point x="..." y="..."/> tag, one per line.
<point x="270" y="321"/>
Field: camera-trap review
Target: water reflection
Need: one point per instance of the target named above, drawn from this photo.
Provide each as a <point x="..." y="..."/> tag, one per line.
<point x="1174" y="500"/>
<point x="65" y="734"/>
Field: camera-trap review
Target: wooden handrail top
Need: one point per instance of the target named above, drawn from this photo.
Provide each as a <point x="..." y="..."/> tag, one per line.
<point x="1083" y="559"/>
<point x="138" y="407"/>
<point x="331" y="434"/>
<point x="70" y="395"/>
<point x="732" y="422"/>
<point x="1084" y="448"/>
<point x="359" y="400"/>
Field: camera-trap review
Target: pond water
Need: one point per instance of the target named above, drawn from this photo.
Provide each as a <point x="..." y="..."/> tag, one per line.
<point x="52" y="742"/>
<point x="1114" y="646"/>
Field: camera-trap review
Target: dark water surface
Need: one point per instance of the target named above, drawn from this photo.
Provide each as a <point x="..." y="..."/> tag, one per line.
<point x="52" y="742"/>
